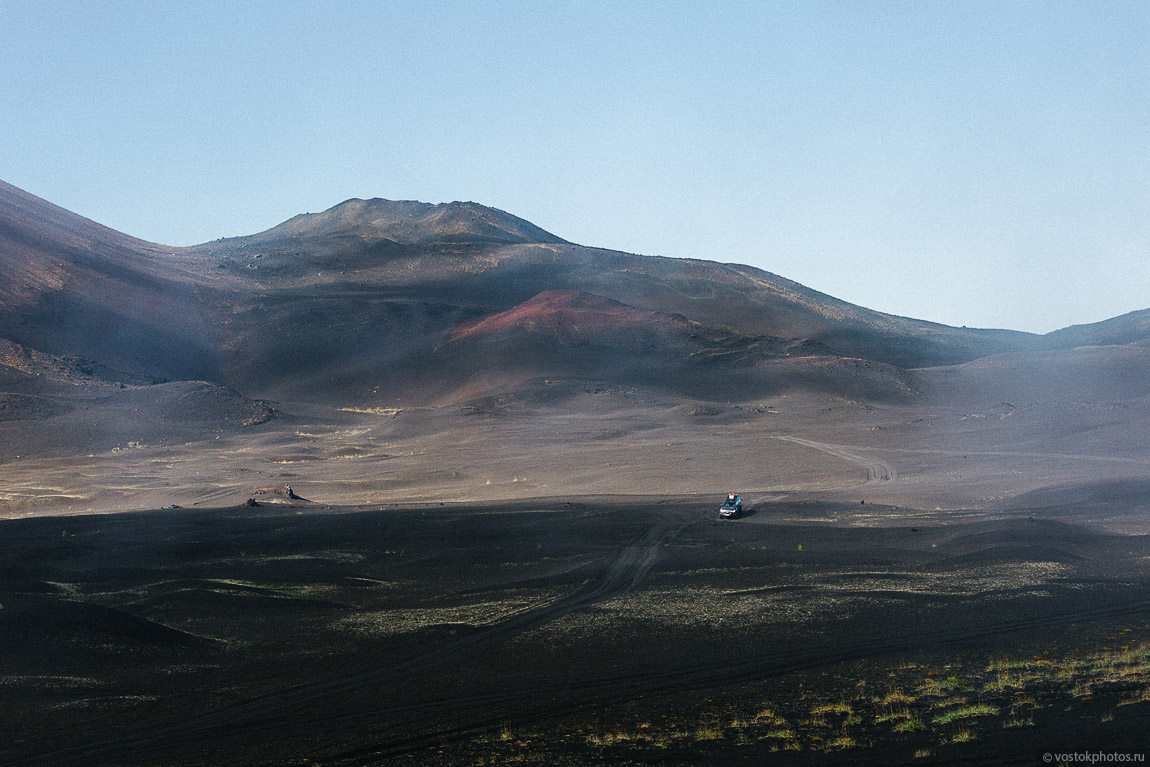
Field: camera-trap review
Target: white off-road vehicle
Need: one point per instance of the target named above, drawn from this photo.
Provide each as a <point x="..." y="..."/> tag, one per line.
<point x="732" y="508"/>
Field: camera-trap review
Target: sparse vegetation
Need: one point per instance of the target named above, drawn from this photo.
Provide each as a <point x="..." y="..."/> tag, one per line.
<point x="1142" y="696"/>
<point x="895" y="696"/>
<point x="966" y="712"/>
<point x="840" y="743"/>
<point x="963" y="735"/>
<point x="892" y="715"/>
<point x="948" y="707"/>
<point x="840" y="708"/>
<point x="912" y="724"/>
<point x="943" y="686"/>
<point x="708" y="732"/>
<point x="768" y="716"/>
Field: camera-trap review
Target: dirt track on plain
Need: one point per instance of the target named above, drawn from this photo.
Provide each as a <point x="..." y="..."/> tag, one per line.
<point x="876" y="469"/>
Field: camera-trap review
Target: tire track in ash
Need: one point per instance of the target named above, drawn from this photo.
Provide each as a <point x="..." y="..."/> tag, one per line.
<point x="877" y="470"/>
<point x="598" y="693"/>
<point x="266" y="713"/>
<point x="215" y="495"/>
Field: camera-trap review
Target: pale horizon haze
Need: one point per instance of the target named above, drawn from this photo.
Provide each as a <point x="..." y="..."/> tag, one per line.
<point x="971" y="163"/>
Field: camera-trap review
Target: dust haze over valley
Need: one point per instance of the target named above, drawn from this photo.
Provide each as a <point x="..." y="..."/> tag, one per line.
<point x="505" y="453"/>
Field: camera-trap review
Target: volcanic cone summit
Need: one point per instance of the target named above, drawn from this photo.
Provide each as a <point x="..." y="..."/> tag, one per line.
<point x="409" y="222"/>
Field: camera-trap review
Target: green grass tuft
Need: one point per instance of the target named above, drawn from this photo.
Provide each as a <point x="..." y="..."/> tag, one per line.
<point x="913" y="724"/>
<point x="965" y="735"/>
<point x="840" y="744"/>
<point x="966" y="712"/>
<point x="842" y="708"/>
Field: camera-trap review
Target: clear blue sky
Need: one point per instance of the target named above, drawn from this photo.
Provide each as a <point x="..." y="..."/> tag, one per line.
<point x="977" y="163"/>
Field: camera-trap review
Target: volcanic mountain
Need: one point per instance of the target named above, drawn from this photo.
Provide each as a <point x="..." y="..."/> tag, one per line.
<point x="376" y="302"/>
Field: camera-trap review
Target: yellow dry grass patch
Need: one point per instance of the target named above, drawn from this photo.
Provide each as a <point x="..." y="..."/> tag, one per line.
<point x="388" y="411"/>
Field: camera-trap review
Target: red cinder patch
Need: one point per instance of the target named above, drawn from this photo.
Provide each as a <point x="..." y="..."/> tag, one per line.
<point x="568" y="309"/>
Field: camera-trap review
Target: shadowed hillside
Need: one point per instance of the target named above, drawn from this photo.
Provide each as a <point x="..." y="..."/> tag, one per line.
<point x="73" y="287"/>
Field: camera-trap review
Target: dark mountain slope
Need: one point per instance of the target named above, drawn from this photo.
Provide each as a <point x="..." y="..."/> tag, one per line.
<point x="565" y="340"/>
<point x="69" y="286"/>
<point x="570" y="334"/>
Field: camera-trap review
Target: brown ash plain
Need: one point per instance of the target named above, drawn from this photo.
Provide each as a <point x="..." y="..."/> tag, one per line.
<point x="505" y="548"/>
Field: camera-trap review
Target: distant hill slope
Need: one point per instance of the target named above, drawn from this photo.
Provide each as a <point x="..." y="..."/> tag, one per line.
<point x="1078" y="376"/>
<point x="1131" y="328"/>
<point x="393" y="302"/>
